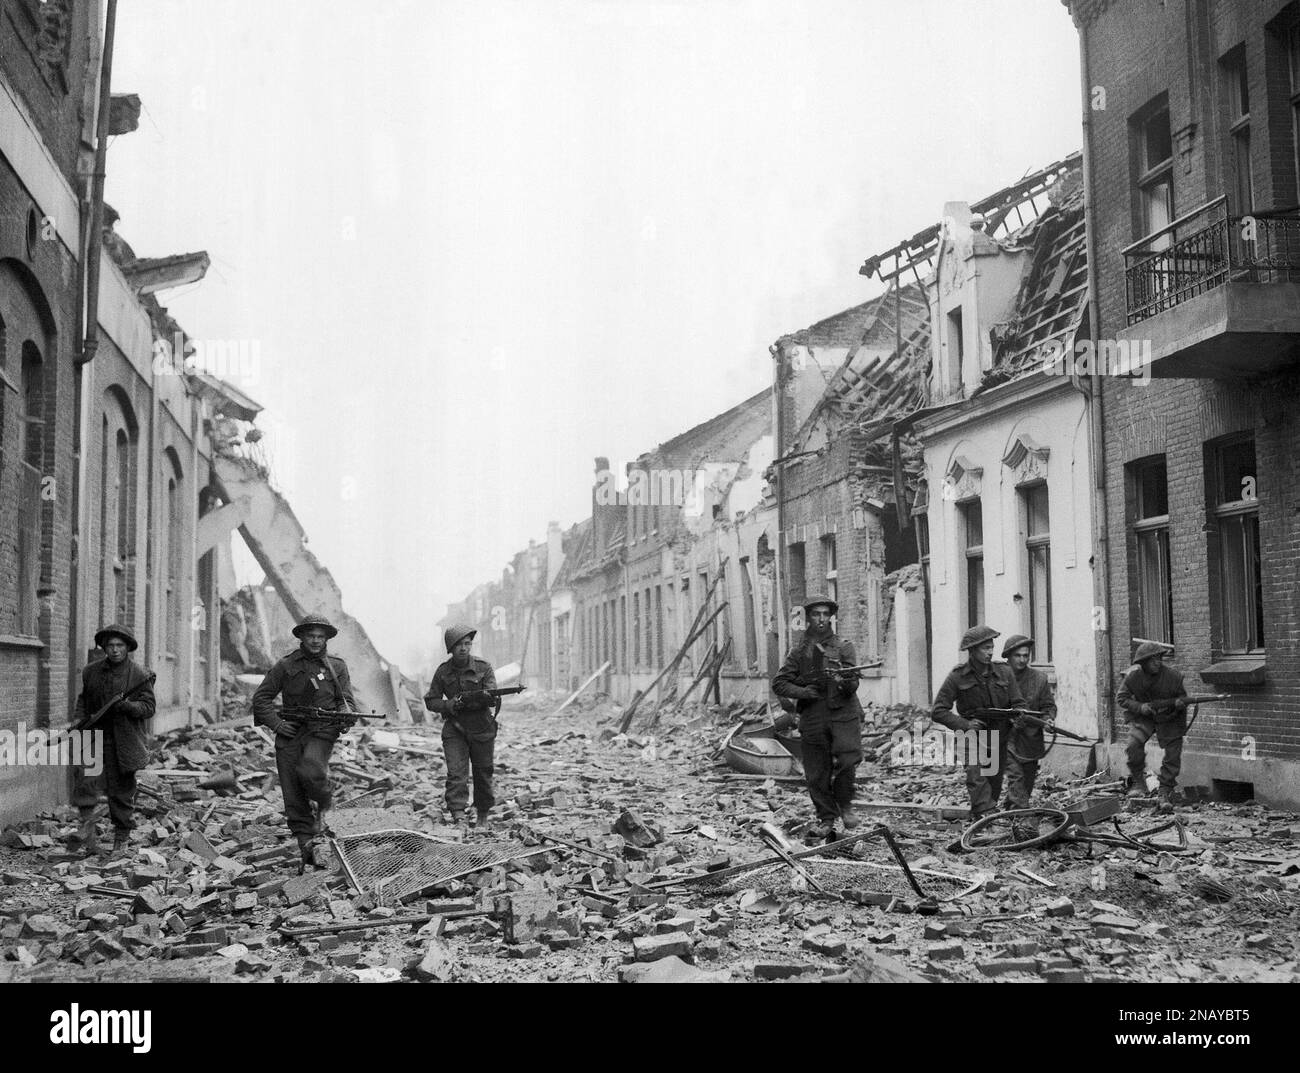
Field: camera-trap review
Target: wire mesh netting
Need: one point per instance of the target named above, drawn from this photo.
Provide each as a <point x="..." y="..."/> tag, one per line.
<point x="839" y="876"/>
<point x="396" y="864"/>
<point x="855" y="863"/>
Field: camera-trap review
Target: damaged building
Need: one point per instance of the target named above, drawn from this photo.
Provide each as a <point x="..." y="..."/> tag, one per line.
<point x="1194" y="173"/>
<point x="1006" y="497"/>
<point x="126" y="466"/>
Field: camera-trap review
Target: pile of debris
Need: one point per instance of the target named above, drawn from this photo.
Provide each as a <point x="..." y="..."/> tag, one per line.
<point x="622" y="855"/>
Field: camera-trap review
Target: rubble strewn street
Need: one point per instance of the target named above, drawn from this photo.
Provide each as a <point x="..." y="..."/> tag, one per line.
<point x="210" y="886"/>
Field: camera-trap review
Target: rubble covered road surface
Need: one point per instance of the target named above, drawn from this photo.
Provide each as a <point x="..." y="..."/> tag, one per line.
<point x="210" y="888"/>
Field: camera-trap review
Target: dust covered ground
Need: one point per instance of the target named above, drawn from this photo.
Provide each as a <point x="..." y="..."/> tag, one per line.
<point x="210" y="888"/>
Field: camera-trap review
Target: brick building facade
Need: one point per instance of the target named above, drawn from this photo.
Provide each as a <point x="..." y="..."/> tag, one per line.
<point x="1192" y="135"/>
<point x="104" y="463"/>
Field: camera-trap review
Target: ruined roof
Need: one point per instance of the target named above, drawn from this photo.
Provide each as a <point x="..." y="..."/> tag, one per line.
<point x="1053" y="296"/>
<point x="878" y="380"/>
<point x="1024" y="198"/>
<point x="717" y="439"/>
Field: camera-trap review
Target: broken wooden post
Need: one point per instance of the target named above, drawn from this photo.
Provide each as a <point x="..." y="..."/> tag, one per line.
<point x="582" y="688"/>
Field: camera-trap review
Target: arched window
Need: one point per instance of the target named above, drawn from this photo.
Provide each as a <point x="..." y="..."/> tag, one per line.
<point x="118" y="481"/>
<point x="31" y="443"/>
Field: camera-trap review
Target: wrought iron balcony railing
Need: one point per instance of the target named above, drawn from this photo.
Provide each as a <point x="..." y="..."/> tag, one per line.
<point x="1206" y="248"/>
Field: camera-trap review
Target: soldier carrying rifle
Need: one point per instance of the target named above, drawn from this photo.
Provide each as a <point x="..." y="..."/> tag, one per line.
<point x="464" y="693"/>
<point x="309" y="678"/>
<point x="1155" y="700"/>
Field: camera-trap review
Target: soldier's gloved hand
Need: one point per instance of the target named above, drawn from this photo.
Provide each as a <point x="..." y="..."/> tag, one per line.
<point x="1180" y="705"/>
<point x="454" y="706"/>
<point x="1147" y="711"/>
<point x="975" y="724"/>
<point x="286" y="728"/>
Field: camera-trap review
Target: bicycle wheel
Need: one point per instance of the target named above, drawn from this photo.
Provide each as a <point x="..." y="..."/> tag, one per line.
<point x="999" y="830"/>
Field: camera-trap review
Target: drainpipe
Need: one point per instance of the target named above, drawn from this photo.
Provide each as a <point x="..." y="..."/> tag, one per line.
<point x="94" y="241"/>
<point x="92" y="222"/>
<point x="195" y="425"/>
<point x="1101" y="571"/>
<point x="779" y="596"/>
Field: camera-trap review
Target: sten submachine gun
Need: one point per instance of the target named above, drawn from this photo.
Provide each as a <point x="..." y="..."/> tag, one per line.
<point x="326" y="718"/>
<point x="90" y="720"/>
<point x="483" y="698"/>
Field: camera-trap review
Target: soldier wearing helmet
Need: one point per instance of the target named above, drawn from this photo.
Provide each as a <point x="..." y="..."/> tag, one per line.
<point x="1147" y="683"/>
<point x="1025" y="747"/>
<point x="830" y="717"/>
<point x="308" y="678"/>
<point x="971" y="688"/>
<point x="469" y="730"/>
<point x="124" y="733"/>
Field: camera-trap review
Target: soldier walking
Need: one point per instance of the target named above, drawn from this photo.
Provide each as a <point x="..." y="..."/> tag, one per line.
<point x="469" y="727"/>
<point x="1026" y="747"/>
<point x="972" y="688"/>
<point x="125" y="746"/>
<point x="1155" y="700"/>
<point x="830" y="717"/>
<point x="309" y="677"/>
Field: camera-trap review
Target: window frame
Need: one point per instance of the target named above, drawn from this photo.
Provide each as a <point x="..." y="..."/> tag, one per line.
<point x="1036" y="544"/>
<point x="1236" y="91"/>
<point x="1150" y="175"/>
<point x="972" y="553"/>
<point x="1225" y="513"/>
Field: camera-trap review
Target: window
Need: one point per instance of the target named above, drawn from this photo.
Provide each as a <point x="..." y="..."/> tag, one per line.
<point x="972" y="529"/>
<point x="751" y="624"/>
<point x="636" y="628"/>
<point x="621" y="628"/>
<point x="724" y="596"/>
<point x="1237" y="91"/>
<point x="956" y="350"/>
<point x="832" y="568"/>
<point x="1155" y="602"/>
<point x="659" y="627"/>
<point x="31" y="428"/>
<point x="1155" y="171"/>
<point x="796" y="585"/>
<point x="173" y="559"/>
<point x="1240" y="609"/>
<point x="1038" y="558"/>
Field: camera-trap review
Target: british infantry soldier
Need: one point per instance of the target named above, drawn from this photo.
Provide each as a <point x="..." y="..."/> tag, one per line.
<point x="1155" y="700"/>
<point x="125" y="748"/>
<point x="1026" y="747"/>
<point x="469" y="727"/>
<point x="830" y="717"/>
<point x="309" y="677"/>
<point x="972" y="688"/>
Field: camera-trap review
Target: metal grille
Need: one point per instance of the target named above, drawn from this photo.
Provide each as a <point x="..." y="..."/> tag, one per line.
<point x="395" y="865"/>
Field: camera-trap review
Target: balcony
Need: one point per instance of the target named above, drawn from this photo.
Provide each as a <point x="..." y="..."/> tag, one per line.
<point x="1216" y="296"/>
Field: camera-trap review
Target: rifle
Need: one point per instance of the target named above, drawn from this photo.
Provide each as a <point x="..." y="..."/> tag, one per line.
<point x="326" y="718"/>
<point x="1189" y="700"/>
<point x="1033" y="719"/>
<point x="89" y="721"/>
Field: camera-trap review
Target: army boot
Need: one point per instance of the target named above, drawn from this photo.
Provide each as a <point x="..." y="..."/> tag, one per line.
<point x="1165" y="801"/>
<point x="484" y="825"/>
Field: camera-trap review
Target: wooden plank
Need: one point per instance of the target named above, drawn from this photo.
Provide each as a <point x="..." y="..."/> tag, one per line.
<point x="582" y="688"/>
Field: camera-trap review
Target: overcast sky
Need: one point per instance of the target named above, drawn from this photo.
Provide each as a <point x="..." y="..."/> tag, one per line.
<point x="478" y="244"/>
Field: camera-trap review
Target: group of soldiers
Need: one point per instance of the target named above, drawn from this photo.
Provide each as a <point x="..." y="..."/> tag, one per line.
<point x="316" y="701"/>
<point x="1011" y="702"/>
<point x="819" y="678"/>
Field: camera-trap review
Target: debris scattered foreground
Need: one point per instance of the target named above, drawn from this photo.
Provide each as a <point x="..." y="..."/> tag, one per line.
<point x="623" y="861"/>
